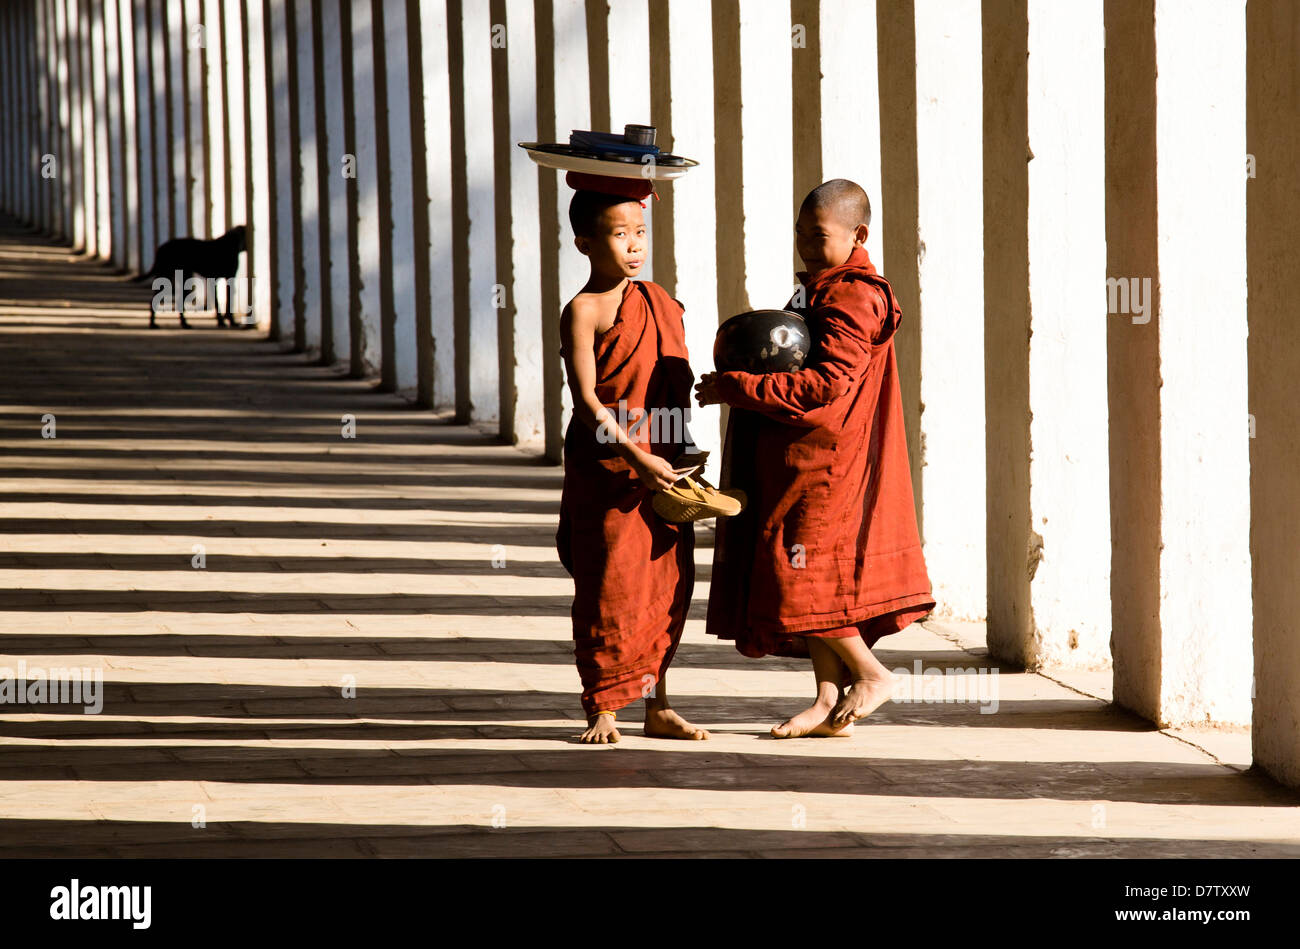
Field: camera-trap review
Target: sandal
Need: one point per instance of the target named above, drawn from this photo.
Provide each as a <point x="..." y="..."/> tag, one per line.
<point x="694" y="499"/>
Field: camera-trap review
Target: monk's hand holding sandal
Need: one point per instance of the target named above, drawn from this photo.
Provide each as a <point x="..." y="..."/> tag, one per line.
<point x="655" y="472"/>
<point x="693" y="498"/>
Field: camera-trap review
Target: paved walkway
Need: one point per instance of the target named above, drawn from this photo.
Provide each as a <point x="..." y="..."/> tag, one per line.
<point x="415" y="563"/>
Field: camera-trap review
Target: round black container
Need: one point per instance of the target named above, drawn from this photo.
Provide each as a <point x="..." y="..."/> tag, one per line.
<point x="762" y="341"/>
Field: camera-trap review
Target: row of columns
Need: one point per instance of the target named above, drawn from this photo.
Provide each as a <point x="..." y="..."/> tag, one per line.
<point x="132" y="121"/>
<point x="373" y="143"/>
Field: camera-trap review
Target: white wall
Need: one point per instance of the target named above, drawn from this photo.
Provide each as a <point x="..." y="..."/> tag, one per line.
<point x="950" y="276"/>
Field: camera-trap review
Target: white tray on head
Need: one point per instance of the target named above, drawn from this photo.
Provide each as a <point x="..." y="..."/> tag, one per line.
<point x="600" y="166"/>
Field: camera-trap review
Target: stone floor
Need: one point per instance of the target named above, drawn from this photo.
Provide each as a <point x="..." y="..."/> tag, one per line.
<point x="414" y="563"/>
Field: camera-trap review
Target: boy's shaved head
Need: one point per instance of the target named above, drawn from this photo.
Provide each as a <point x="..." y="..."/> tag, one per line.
<point x="842" y="198"/>
<point x="586" y="208"/>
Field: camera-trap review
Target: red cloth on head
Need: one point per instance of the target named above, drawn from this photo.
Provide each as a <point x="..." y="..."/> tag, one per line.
<point x="633" y="572"/>
<point x="634" y="189"/>
<point x="829" y="539"/>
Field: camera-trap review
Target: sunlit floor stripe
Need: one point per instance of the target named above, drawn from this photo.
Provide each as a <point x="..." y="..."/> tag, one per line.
<point x="377" y="518"/>
<point x="613" y="808"/>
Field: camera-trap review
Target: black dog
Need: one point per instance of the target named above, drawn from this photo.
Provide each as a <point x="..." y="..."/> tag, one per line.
<point x="193" y="257"/>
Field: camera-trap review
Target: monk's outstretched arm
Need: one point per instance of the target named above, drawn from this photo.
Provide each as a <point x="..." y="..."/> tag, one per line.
<point x="835" y="366"/>
<point x="577" y="340"/>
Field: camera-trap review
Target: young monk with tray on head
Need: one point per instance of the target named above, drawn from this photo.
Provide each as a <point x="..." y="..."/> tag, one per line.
<point x="827" y="558"/>
<point x="624" y="348"/>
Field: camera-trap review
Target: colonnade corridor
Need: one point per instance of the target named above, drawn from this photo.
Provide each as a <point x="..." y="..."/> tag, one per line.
<point x="313" y="644"/>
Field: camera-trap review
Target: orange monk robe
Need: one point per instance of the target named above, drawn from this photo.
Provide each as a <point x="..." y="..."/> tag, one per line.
<point x="633" y="572"/>
<point x="829" y="538"/>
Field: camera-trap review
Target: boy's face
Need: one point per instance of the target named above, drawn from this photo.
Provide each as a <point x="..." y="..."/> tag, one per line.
<point x="823" y="241"/>
<point x="618" y="247"/>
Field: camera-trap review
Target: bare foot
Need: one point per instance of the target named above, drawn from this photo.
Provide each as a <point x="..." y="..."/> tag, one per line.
<point x="812" y="722"/>
<point x="665" y="723"/>
<point x="862" y="698"/>
<point x="600" y="731"/>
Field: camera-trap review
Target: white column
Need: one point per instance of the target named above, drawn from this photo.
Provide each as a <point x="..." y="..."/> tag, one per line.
<point x="261" y="238"/>
<point x="67" y="171"/>
<point x="133" y="211"/>
<point x="44" y="186"/>
<point x="479" y="157"/>
<point x="76" y="158"/>
<point x="218" y="168"/>
<point x="437" y="141"/>
<point x="26" y="101"/>
<point x="10" y="142"/>
<point x="176" y="48"/>
<point x="282" y="158"/>
<point x="85" y="119"/>
<point x="336" y="186"/>
<point x="694" y="207"/>
<point x="22" y="141"/>
<point x="233" y="37"/>
<point x="14" y="144"/>
<point x="59" y="114"/>
<point x="57" y="123"/>
<point x="767" y="200"/>
<point x="399" y="178"/>
<point x="53" y="122"/>
<point x="155" y="44"/>
<point x="31" y="114"/>
<point x="100" y="121"/>
<point x="309" y="190"/>
<point x="119" y="197"/>
<point x="6" y="112"/>
<point x="196" y="120"/>
<point x="53" y="126"/>
<point x="32" y="164"/>
<point x="367" y="171"/>
<point x="48" y="105"/>
<point x="136" y="15"/>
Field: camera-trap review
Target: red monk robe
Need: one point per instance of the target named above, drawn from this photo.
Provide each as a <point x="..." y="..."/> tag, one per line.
<point x="829" y="537"/>
<point x="633" y="572"/>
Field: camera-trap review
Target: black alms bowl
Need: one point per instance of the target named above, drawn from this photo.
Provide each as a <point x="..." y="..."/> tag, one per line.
<point x="762" y="341"/>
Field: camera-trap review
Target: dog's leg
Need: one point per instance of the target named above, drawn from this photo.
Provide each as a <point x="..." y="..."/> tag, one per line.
<point x="180" y="304"/>
<point x="153" y="296"/>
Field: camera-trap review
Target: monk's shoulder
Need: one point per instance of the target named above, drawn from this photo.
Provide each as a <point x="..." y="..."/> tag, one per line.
<point x="854" y="290"/>
<point x="579" y="304"/>
<point x="860" y="296"/>
<point x="660" y="297"/>
<point x="583" y="308"/>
